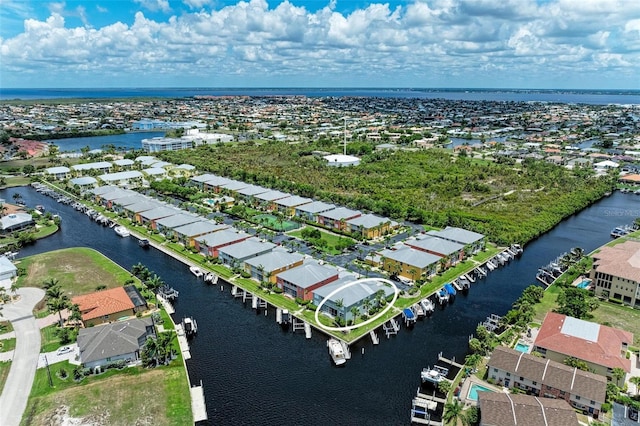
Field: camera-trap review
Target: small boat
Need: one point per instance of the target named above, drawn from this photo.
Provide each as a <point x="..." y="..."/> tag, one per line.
<point x="418" y="310"/>
<point x="456" y="285"/>
<point x="121" y="231"/>
<point x="196" y="271"/>
<point x="450" y="289"/>
<point x="40" y="208"/>
<point x="143" y="242"/>
<point x="190" y="326"/>
<point x="442" y="296"/>
<point x="211" y="278"/>
<point x="433" y="375"/>
<point x="427" y="305"/>
<point x="336" y="351"/>
<point x="490" y="266"/>
<point x="408" y="316"/>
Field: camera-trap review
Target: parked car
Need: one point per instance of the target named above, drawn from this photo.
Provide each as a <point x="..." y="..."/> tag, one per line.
<point x="64" y="350"/>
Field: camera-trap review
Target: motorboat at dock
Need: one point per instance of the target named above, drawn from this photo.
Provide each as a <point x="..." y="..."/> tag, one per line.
<point x="196" y="271"/>
<point x="336" y="352"/>
<point x="122" y="231"/>
<point x="434" y="375"/>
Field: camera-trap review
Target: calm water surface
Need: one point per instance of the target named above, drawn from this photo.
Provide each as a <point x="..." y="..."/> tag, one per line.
<point x="255" y="374"/>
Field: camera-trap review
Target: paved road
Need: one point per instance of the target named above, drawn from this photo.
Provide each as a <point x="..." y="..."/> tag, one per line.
<point x="13" y="400"/>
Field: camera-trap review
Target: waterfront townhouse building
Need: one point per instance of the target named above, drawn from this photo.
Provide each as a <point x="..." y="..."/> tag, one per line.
<point x="124" y="164"/>
<point x="350" y="301"/>
<point x="370" y="226"/>
<point x="187" y="234"/>
<point x="232" y="187"/>
<point x="602" y="348"/>
<point x="166" y="225"/>
<point x="503" y="409"/>
<point x="616" y="273"/>
<point x="287" y="206"/>
<point x="473" y="241"/>
<point x="451" y="251"/>
<point x="97" y="167"/>
<point x="303" y="280"/>
<point x="409" y="262"/>
<point x="267" y="200"/>
<point x="210" y="244"/>
<point x="235" y="255"/>
<point x="149" y="217"/>
<point x="59" y="173"/>
<point x="310" y="211"/>
<point x="266" y="267"/>
<point x="104" y="195"/>
<point x="130" y="178"/>
<point x="84" y="182"/>
<point x="546" y="378"/>
<point x="337" y="218"/>
<point x="249" y="192"/>
<point x="118" y="204"/>
<point x="133" y="211"/>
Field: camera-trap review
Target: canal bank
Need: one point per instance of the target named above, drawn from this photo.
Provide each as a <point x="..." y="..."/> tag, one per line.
<point x="253" y="372"/>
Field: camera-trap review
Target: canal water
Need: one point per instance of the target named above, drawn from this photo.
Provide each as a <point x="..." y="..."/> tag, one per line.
<point x="254" y="373"/>
<point x="125" y="141"/>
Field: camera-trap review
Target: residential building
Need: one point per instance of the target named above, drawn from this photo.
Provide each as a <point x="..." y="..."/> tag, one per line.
<point x="602" y="348"/>
<point x="8" y="272"/>
<point x="133" y="211"/>
<point x="104" y="306"/>
<point x="236" y="254"/>
<point x="452" y="251"/>
<point x="60" y="172"/>
<point x="114" y="342"/>
<point x="166" y="225"/>
<point x="310" y="211"/>
<point x="16" y="222"/>
<point x="268" y="199"/>
<point x="187" y="234"/>
<point x="409" y="262"/>
<point x="266" y="267"/>
<point x="100" y="167"/>
<point x="160" y="144"/>
<point x="155" y="173"/>
<point x="84" y="182"/>
<point x="473" y="240"/>
<point x="303" y="280"/>
<point x="370" y="226"/>
<point x="127" y="178"/>
<point x="210" y="244"/>
<point x="616" y="273"/>
<point x="503" y="409"/>
<point x="249" y="192"/>
<point x="337" y="218"/>
<point x="542" y="377"/>
<point x="287" y="206"/>
<point x="150" y="217"/>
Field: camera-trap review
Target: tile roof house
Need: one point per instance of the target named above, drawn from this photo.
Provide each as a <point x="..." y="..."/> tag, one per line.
<point x="616" y="273"/>
<point x="303" y="280"/>
<point x="104" y="306"/>
<point x="122" y="340"/>
<point x="602" y="348"/>
<point x="502" y="409"/>
<point x="583" y="390"/>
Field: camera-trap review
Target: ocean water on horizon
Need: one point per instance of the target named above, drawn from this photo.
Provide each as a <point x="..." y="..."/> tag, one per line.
<point x="593" y="97"/>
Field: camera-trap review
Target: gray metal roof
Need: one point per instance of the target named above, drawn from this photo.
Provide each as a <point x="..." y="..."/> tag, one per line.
<point x="6" y="265"/>
<point x="225" y="236"/>
<point x="203" y="178"/>
<point x="459" y="235"/>
<point x="92" y="166"/>
<point x="155" y="171"/>
<point x="340" y="213"/>
<point x="112" y="177"/>
<point x="368" y="221"/>
<point x="274" y="260"/>
<point x="316" y="207"/>
<point x="353" y="295"/>
<point x="86" y="180"/>
<point x="185" y="167"/>
<point x="15" y="219"/>
<point x="111" y="340"/>
<point x="142" y="206"/>
<point x="199" y="228"/>
<point x="410" y="256"/>
<point x="308" y="274"/>
<point x="160" y="212"/>
<point x="127" y="200"/>
<point x="177" y="220"/>
<point x="435" y="244"/>
<point x="272" y="195"/>
<point x="293" y="201"/>
<point x="124" y="162"/>
<point x="57" y="170"/>
<point x="247" y="248"/>
<point x="217" y="181"/>
<point x="251" y="190"/>
<point x="234" y="185"/>
<point x="117" y="193"/>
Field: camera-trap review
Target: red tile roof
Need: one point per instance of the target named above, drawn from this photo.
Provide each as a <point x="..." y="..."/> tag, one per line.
<point x="606" y="350"/>
<point x="101" y="303"/>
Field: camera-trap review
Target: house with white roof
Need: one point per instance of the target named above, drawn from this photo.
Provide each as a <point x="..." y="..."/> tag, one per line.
<point x="127" y="178"/>
<point x="303" y="280"/>
<point x="472" y="240"/>
<point x="236" y="254"/>
<point x="60" y="172"/>
<point x="8" y="272"/>
<point x="452" y="251"/>
<point x="210" y="244"/>
<point x="84" y="182"/>
<point x="16" y="222"/>
<point x="100" y="167"/>
<point x="267" y="266"/>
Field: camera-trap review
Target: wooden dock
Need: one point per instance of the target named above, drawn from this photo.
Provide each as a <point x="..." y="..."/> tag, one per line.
<point x="374" y="337"/>
<point x="167" y="305"/>
<point x="182" y="341"/>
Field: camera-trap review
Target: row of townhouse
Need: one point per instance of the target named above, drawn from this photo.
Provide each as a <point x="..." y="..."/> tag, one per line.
<point x="427" y="254"/>
<point x="546" y="378"/>
<point x="325" y="214"/>
<point x="296" y="275"/>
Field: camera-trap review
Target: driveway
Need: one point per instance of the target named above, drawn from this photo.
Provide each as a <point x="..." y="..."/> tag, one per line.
<point x="13" y="400"/>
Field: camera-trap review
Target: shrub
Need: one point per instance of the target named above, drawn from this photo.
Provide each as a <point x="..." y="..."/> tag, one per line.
<point x="277" y="290"/>
<point x="62" y="373"/>
<point x="311" y="306"/>
<point x="606" y="407"/>
<point x="245" y="274"/>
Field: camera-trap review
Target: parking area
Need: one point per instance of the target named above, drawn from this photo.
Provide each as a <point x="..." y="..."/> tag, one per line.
<point x="61" y="354"/>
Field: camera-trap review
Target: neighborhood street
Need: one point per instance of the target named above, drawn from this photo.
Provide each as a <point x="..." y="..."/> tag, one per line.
<point x="13" y="400"/>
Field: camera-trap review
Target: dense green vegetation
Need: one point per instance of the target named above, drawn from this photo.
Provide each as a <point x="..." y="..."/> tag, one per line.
<point x="506" y="202"/>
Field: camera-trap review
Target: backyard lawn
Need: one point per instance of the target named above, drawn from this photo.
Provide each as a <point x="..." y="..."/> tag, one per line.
<point x="332" y="240"/>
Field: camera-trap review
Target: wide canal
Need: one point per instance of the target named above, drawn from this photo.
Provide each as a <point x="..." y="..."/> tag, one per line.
<point x="254" y="373"/>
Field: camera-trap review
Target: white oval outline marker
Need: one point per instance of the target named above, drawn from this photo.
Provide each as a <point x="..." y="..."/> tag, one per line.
<point x="370" y="320"/>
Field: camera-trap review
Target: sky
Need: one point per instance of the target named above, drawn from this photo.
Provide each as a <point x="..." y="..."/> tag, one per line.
<point x="536" y="44"/>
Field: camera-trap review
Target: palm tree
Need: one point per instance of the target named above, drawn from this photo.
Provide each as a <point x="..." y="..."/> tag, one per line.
<point x="636" y="381"/>
<point x="14" y="289"/>
<point x="366" y="305"/>
<point x="57" y="301"/>
<point x="618" y="373"/>
<point x="76" y="315"/>
<point x="452" y="412"/>
<point x="150" y="352"/>
<point x="51" y="282"/>
<point x="164" y="344"/>
<point x="154" y="282"/>
<point x="354" y="313"/>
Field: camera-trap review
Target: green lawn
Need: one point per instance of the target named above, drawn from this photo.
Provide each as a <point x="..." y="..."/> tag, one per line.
<point x="272" y="222"/>
<point x="49" y="341"/>
<point x="619" y="316"/>
<point x="547" y="304"/>
<point x="4" y="372"/>
<point x="5" y="327"/>
<point x="7" y="345"/>
<point x="331" y="239"/>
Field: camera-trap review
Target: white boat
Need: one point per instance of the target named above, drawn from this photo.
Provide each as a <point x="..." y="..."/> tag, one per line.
<point x="490" y="266"/>
<point x="190" y="326"/>
<point x="196" y="271"/>
<point x="434" y="375"/>
<point x="211" y="278"/>
<point x="427" y="305"/>
<point x="122" y="231"/>
<point x="336" y="351"/>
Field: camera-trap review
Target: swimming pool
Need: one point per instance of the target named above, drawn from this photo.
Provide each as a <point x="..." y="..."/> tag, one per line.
<point x="474" y="389"/>
<point x="584" y="284"/>
<point x="522" y="347"/>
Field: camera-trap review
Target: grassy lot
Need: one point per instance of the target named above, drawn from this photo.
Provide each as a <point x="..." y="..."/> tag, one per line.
<point x="331" y="239"/>
<point x="618" y="316"/>
<point x="548" y="303"/>
<point x="4" y="372"/>
<point x="7" y="345"/>
<point x="79" y="270"/>
<point x="132" y="396"/>
<point x="12" y="181"/>
<point x="48" y="339"/>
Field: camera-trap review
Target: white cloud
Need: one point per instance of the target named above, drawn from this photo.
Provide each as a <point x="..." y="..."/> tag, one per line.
<point x="251" y="42"/>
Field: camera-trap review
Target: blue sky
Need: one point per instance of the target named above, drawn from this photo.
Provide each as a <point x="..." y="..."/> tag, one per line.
<point x="589" y="44"/>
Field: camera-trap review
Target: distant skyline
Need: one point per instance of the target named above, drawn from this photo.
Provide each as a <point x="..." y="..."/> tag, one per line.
<point x="529" y="44"/>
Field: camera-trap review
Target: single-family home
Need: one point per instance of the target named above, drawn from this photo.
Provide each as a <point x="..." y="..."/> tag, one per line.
<point x="119" y="341"/>
<point x="16" y="222"/>
<point x="266" y="267"/>
<point x="8" y="272"/>
<point x="210" y="244"/>
<point x="104" y="306"/>
<point x="236" y="254"/>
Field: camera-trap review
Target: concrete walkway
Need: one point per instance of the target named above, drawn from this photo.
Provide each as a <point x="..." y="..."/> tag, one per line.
<point x="13" y="400"/>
